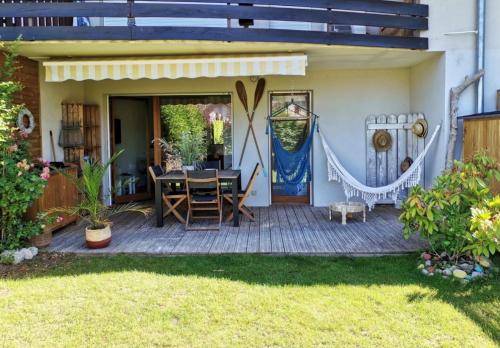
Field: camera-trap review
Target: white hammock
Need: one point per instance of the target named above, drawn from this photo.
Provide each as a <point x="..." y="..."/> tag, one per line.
<point x="353" y="188"/>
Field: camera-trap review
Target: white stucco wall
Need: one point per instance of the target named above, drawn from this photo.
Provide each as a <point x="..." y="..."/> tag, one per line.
<point x="343" y="98"/>
<point x="428" y="95"/>
<point x="449" y="17"/>
<point x="51" y="97"/>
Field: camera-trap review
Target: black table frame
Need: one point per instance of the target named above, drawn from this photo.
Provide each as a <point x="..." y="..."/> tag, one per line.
<point x="233" y="176"/>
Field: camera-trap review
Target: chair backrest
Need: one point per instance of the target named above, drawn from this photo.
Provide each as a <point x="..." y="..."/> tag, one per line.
<point x="155" y="171"/>
<point x="251" y="182"/>
<point x="202" y="179"/>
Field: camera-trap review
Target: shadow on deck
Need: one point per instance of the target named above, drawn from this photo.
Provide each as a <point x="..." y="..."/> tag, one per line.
<point x="279" y="229"/>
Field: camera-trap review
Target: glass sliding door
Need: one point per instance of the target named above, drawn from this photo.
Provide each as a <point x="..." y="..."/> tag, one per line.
<point x="199" y="129"/>
<point x="131" y="120"/>
<point x="292" y="127"/>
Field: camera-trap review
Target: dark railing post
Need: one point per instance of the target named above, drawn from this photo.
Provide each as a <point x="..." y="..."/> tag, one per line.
<point x="245" y="22"/>
<point x="130" y="18"/>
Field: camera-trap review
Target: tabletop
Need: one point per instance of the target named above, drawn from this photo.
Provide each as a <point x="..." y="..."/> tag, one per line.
<point x="178" y="175"/>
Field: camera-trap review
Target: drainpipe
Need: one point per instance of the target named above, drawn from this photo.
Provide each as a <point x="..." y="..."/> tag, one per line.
<point x="481" y="5"/>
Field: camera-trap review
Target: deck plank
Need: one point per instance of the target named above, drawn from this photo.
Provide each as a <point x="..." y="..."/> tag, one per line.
<point x="279" y="229"/>
<point x="265" y="245"/>
<point x="286" y="233"/>
<point x="254" y="233"/>
<point x="277" y="245"/>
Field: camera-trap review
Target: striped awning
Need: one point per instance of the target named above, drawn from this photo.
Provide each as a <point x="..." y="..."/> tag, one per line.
<point x="175" y="67"/>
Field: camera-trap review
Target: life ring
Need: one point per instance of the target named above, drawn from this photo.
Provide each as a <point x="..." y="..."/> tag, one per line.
<point x="25" y="121"/>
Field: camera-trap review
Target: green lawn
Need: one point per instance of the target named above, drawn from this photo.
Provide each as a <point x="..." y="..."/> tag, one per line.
<point x="243" y="301"/>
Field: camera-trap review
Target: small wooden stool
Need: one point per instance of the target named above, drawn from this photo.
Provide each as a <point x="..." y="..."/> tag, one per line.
<point x="347" y="208"/>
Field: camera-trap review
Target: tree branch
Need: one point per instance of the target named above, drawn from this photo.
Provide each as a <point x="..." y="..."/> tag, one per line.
<point x="455" y="94"/>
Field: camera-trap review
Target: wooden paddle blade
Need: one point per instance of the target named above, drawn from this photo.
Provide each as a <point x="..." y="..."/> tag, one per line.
<point x="259" y="92"/>
<point x="242" y="94"/>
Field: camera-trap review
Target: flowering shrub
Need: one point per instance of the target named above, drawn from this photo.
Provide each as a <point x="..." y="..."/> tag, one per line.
<point x="21" y="180"/>
<point x="484" y="237"/>
<point x="444" y="214"/>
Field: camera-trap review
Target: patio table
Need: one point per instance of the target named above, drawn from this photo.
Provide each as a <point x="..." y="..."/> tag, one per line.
<point x="229" y="175"/>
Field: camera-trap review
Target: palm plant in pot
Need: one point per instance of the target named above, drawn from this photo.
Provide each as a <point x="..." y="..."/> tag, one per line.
<point x="91" y="207"/>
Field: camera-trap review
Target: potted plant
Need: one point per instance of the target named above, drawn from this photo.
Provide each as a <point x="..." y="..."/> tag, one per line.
<point x="91" y="207"/>
<point x="192" y="149"/>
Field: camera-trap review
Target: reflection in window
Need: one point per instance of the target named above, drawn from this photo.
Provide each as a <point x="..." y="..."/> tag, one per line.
<point x="199" y="129"/>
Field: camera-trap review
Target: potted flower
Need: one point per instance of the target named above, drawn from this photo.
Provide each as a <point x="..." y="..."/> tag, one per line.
<point x="91" y="207"/>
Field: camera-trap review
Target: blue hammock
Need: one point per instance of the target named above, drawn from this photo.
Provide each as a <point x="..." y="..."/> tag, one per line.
<point x="293" y="168"/>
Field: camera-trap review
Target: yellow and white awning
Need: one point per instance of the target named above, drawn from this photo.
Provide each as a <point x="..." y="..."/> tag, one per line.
<point x="175" y="67"/>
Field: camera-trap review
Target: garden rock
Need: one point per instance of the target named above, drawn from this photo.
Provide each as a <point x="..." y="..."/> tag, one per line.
<point x="18" y="257"/>
<point x="478" y="268"/>
<point x="459" y="274"/>
<point x="466" y="267"/>
<point x="476" y="274"/>
<point x="27" y="255"/>
<point x="34" y="250"/>
<point x="484" y="262"/>
<point x="14" y="257"/>
<point x="466" y="270"/>
<point x="7" y="257"/>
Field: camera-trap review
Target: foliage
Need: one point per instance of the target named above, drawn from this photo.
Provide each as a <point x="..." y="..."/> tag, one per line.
<point x="21" y="182"/>
<point x="443" y="214"/>
<point x="192" y="148"/>
<point x="186" y="130"/>
<point x="173" y="160"/>
<point x="291" y="134"/>
<point x="91" y="208"/>
<point x="484" y="237"/>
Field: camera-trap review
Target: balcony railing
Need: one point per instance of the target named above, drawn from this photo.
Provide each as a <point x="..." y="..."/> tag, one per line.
<point x="374" y="23"/>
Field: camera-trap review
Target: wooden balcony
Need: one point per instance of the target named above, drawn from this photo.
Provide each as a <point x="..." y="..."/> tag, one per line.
<point x="396" y="24"/>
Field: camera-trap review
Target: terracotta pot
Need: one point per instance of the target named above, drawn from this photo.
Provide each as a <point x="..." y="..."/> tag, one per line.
<point x="98" y="239"/>
<point x="42" y="240"/>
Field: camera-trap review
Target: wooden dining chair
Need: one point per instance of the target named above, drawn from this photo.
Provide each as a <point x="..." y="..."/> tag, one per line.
<point x="172" y="199"/>
<point x="243" y="196"/>
<point x="203" y="196"/>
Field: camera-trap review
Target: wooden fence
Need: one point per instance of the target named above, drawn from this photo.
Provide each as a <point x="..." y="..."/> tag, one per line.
<point x="482" y="134"/>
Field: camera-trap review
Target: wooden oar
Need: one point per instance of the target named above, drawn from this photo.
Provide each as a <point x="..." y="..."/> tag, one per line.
<point x="242" y="94"/>
<point x="259" y="92"/>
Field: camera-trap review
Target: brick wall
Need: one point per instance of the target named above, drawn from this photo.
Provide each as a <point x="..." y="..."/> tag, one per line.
<point x="27" y="75"/>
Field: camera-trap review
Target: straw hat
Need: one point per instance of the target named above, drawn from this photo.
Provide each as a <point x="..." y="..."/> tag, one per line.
<point x="420" y="128"/>
<point x="406" y="164"/>
<point x="382" y="140"/>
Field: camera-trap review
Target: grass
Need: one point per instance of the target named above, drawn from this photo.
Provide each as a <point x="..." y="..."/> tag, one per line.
<point x="246" y="301"/>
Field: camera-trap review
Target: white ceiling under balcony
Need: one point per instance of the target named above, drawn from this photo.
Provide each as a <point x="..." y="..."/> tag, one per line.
<point x="319" y="56"/>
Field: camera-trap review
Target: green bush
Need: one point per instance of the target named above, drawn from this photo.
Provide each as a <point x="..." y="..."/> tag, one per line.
<point x="484" y="236"/>
<point x="186" y="131"/>
<point x="443" y="214"/>
<point x="21" y="182"/>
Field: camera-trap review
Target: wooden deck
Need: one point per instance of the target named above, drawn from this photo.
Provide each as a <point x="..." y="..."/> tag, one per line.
<point x="279" y="229"/>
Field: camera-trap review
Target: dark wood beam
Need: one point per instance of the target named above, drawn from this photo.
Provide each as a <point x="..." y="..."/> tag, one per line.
<point x="278" y="14"/>
<point x="377" y="6"/>
<point x="210" y="34"/>
<point x="211" y="11"/>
